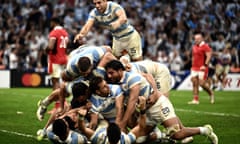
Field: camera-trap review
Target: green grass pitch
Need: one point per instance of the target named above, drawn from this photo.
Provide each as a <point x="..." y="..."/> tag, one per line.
<point x="18" y="122"/>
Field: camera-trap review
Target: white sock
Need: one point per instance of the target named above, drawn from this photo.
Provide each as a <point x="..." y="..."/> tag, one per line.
<point x="159" y="133"/>
<point x="46" y="102"/>
<point x="203" y="130"/>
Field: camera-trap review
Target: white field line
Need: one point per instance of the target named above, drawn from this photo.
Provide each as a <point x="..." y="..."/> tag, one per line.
<point x="17" y="133"/>
<point x="210" y="113"/>
<point x="20" y="134"/>
<point x="181" y="110"/>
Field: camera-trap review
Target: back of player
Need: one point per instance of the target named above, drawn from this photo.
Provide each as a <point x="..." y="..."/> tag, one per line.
<point x="160" y="73"/>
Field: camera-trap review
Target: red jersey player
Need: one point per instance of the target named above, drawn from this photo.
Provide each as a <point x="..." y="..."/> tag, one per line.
<point x="201" y="55"/>
<point x="57" y="59"/>
<point x="57" y="56"/>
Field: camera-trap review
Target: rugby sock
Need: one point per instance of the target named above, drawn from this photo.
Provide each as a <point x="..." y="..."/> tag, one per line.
<point x="196" y="97"/>
<point x="46" y="102"/>
<point x="203" y="130"/>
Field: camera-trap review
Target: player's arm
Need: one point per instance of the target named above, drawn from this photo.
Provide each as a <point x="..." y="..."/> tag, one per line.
<point x="51" y="44"/>
<point x="81" y="124"/>
<point x="62" y="95"/>
<point x="85" y="29"/>
<point x="65" y="77"/>
<point x="122" y="18"/>
<point x="155" y="93"/>
<point x="119" y="108"/>
<point x="108" y="56"/>
<point x="208" y="58"/>
<point x="94" y="121"/>
<point x="142" y="118"/>
<point x="133" y="97"/>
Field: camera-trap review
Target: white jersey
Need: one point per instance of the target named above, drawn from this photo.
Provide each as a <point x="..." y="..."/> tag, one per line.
<point x="94" y="53"/>
<point x="105" y="106"/>
<point x="160" y="73"/>
<point x="110" y="16"/>
<point x="100" y="137"/>
<point x="150" y="67"/>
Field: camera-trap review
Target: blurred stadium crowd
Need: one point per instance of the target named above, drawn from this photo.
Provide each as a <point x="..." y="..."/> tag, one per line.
<point x="166" y="27"/>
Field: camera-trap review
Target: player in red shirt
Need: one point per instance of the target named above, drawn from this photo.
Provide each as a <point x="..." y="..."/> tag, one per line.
<point x="57" y="56"/>
<point x="201" y="55"/>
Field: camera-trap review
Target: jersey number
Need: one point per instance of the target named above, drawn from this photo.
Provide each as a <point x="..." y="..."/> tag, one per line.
<point x="63" y="42"/>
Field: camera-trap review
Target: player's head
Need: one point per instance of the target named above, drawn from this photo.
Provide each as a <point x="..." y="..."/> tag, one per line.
<point x="198" y="37"/>
<point x="60" y="128"/>
<point x="80" y="91"/>
<point x="101" y="5"/>
<point x="113" y="133"/>
<point x="54" y="22"/>
<point x="114" y="70"/>
<point x="99" y="86"/>
<point x="85" y="66"/>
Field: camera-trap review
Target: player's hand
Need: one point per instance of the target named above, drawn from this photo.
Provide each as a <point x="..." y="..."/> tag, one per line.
<point x="202" y="68"/>
<point x="60" y="112"/>
<point x="114" y="25"/>
<point x="141" y="102"/>
<point x="78" y="37"/>
<point x="93" y="125"/>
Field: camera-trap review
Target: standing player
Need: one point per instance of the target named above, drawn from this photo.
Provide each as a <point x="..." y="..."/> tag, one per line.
<point x="222" y="68"/>
<point x="112" y="16"/>
<point x="57" y="55"/>
<point x="201" y="56"/>
<point x="56" y="50"/>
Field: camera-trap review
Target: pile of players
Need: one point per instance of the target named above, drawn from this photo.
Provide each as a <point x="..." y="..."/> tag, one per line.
<point x="105" y="105"/>
<point x="114" y="99"/>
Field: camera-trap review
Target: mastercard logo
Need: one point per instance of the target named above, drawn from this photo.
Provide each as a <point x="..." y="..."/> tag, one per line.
<point x="31" y="79"/>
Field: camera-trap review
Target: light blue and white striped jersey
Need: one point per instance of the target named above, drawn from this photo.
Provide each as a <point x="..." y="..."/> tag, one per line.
<point x="105" y="106"/>
<point x="100" y="137"/>
<point x="70" y="84"/>
<point x="131" y="79"/>
<point x="73" y="137"/>
<point x="109" y="16"/>
<point x="94" y="53"/>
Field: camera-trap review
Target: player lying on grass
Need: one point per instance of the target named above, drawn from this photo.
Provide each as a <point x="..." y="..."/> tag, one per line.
<point x="80" y="99"/>
<point x="111" y="133"/>
<point x="65" y="90"/>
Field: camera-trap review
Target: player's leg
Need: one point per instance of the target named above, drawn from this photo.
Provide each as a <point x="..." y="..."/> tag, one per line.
<point x="43" y="104"/>
<point x="195" y="84"/>
<point x="204" y="84"/>
<point x="134" y="46"/>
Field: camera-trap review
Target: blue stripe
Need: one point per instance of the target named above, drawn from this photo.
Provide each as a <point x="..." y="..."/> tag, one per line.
<point x="127" y="34"/>
<point x="74" y="137"/>
<point x="121" y="28"/>
<point x="95" y="138"/>
<point x="134" y="80"/>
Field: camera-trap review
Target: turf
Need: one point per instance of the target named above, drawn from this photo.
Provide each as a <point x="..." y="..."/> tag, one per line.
<point x="224" y="115"/>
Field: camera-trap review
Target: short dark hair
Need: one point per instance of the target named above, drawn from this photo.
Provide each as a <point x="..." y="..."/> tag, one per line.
<point x="93" y="84"/>
<point x="59" y="128"/>
<point x="113" y="133"/>
<point x="199" y="32"/>
<point x="84" y="64"/>
<point x="55" y="20"/>
<point x="79" y="89"/>
<point x="114" y="64"/>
